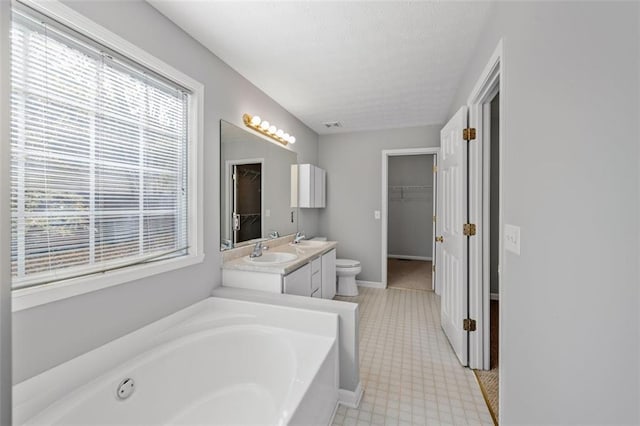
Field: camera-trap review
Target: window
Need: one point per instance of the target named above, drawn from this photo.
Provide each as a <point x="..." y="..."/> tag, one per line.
<point x="100" y="157"/>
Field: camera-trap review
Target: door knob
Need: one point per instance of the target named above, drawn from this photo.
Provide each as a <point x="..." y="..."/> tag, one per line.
<point x="440" y="239"/>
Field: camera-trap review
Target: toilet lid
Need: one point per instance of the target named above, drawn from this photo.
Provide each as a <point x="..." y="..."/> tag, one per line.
<point x="347" y="263"/>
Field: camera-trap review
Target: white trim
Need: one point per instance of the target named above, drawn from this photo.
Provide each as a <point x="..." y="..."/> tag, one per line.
<point x="407" y="257"/>
<point x="494" y="296"/>
<point x="6" y="393"/>
<point x="26" y="298"/>
<point x="386" y="153"/>
<point x="489" y="83"/>
<point x="351" y="398"/>
<point x="333" y="414"/>
<point x="370" y="284"/>
<point x="30" y="297"/>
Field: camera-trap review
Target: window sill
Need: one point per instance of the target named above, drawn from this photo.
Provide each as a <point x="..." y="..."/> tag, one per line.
<point x="31" y="297"/>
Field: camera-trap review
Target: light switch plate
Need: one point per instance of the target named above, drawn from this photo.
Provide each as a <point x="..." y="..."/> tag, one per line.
<point x="376" y="214"/>
<point x="267" y="213"/>
<point x="512" y="238"/>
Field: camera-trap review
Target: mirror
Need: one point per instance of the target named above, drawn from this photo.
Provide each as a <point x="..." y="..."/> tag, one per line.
<point x="256" y="203"/>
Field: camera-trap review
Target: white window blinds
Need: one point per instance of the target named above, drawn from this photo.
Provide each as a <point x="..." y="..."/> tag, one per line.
<point x="99" y="157"/>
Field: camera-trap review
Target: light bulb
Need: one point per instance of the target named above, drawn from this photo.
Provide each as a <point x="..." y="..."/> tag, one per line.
<point x="272" y="129"/>
<point x="286" y="137"/>
<point x="264" y="125"/>
<point x="280" y="133"/>
<point x="255" y="120"/>
<point x="292" y="139"/>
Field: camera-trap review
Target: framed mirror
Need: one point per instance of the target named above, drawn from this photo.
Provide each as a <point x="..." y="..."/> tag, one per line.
<point x="255" y="188"/>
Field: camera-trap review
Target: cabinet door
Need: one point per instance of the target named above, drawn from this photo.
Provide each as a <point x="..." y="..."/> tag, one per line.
<point x="329" y="275"/>
<point x="306" y="185"/>
<point x="318" y="187"/>
<point x="298" y="282"/>
<point x="323" y="197"/>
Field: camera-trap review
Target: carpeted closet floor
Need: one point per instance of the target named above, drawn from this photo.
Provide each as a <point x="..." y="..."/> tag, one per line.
<point x="409" y="274"/>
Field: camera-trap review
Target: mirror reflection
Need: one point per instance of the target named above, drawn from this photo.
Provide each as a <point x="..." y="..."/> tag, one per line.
<point x="255" y="188"/>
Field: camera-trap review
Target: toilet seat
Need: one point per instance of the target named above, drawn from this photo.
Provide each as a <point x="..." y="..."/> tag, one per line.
<point x="347" y="263"/>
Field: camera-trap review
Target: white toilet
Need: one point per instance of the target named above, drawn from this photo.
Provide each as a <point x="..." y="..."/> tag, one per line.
<point x="346" y="270"/>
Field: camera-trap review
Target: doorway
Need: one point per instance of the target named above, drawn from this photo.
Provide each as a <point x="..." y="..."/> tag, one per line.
<point x="408" y="193"/>
<point x="246" y="200"/>
<point x="410" y="232"/>
<point x="488" y="378"/>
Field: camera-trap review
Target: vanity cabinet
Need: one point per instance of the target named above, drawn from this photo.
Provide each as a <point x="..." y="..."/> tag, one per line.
<point x="298" y="282"/>
<point x="308" y="186"/>
<point x="328" y="288"/>
<point x="316" y="279"/>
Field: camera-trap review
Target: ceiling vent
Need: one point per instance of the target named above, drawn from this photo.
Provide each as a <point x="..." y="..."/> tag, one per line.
<point x="332" y="124"/>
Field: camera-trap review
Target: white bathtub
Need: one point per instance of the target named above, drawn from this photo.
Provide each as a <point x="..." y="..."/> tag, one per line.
<point x="217" y="362"/>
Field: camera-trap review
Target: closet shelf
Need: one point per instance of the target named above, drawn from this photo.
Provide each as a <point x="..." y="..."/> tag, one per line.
<point x="409" y="187"/>
<point x="410" y="192"/>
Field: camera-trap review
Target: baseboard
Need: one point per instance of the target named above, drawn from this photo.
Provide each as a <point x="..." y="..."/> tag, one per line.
<point x="407" y="257"/>
<point x="370" y="284"/>
<point x="494" y="296"/>
<point x="351" y="398"/>
<point x="335" y="411"/>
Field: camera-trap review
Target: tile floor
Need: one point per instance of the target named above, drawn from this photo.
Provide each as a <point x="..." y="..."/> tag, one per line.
<point x="409" y="372"/>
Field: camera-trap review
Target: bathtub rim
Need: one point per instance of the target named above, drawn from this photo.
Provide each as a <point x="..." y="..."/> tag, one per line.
<point x="29" y="398"/>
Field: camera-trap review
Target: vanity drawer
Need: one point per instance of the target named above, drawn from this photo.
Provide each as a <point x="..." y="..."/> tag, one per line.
<point x="315" y="265"/>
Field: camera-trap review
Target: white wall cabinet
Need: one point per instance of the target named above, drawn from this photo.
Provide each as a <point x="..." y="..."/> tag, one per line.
<point x="308" y="186"/>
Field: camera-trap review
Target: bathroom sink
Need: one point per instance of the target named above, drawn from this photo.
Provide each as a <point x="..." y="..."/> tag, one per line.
<point x="309" y="243"/>
<point x="272" y="258"/>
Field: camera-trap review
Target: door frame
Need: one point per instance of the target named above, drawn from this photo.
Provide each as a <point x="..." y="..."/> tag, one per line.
<point x="490" y="82"/>
<point x="386" y="153"/>
<point x="228" y="193"/>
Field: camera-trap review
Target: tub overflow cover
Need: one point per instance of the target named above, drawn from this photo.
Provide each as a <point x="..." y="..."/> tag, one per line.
<point x="125" y="388"/>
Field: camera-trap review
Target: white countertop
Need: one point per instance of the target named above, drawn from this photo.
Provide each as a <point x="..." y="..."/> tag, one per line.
<point x="304" y="253"/>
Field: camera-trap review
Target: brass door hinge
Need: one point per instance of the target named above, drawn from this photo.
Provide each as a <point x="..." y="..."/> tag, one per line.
<point x="469" y="229"/>
<point x="434" y="218"/>
<point x="469" y="134"/>
<point x="433" y="268"/>
<point x="435" y="169"/>
<point x="439" y="239"/>
<point x="469" y="324"/>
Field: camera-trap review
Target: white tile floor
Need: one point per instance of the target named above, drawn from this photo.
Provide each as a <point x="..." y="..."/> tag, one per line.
<point x="409" y="372"/>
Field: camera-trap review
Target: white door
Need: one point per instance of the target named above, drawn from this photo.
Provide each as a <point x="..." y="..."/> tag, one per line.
<point x="451" y="267"/>
<point x="434" y="228"/>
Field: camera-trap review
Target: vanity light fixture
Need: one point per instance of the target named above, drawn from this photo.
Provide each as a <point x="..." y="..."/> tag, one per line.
<point x="268" y="129"/>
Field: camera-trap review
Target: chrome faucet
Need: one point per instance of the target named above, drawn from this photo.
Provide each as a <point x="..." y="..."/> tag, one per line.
<point x="226" y="244"/>
<point x="299" y="237"/>
<point x="274" y="234"/>
<point x="257" y="250"/>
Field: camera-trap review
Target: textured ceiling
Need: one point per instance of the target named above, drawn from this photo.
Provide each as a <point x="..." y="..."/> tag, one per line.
<point x="368" y="65"/>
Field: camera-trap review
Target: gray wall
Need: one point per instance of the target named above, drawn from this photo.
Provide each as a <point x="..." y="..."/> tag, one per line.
<point x="353" y="162"/>
<point x="5" y="220"/>
<point x="50" y="334"/>
<point x="410" y="229"/>
<point x="569" y="303"/>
